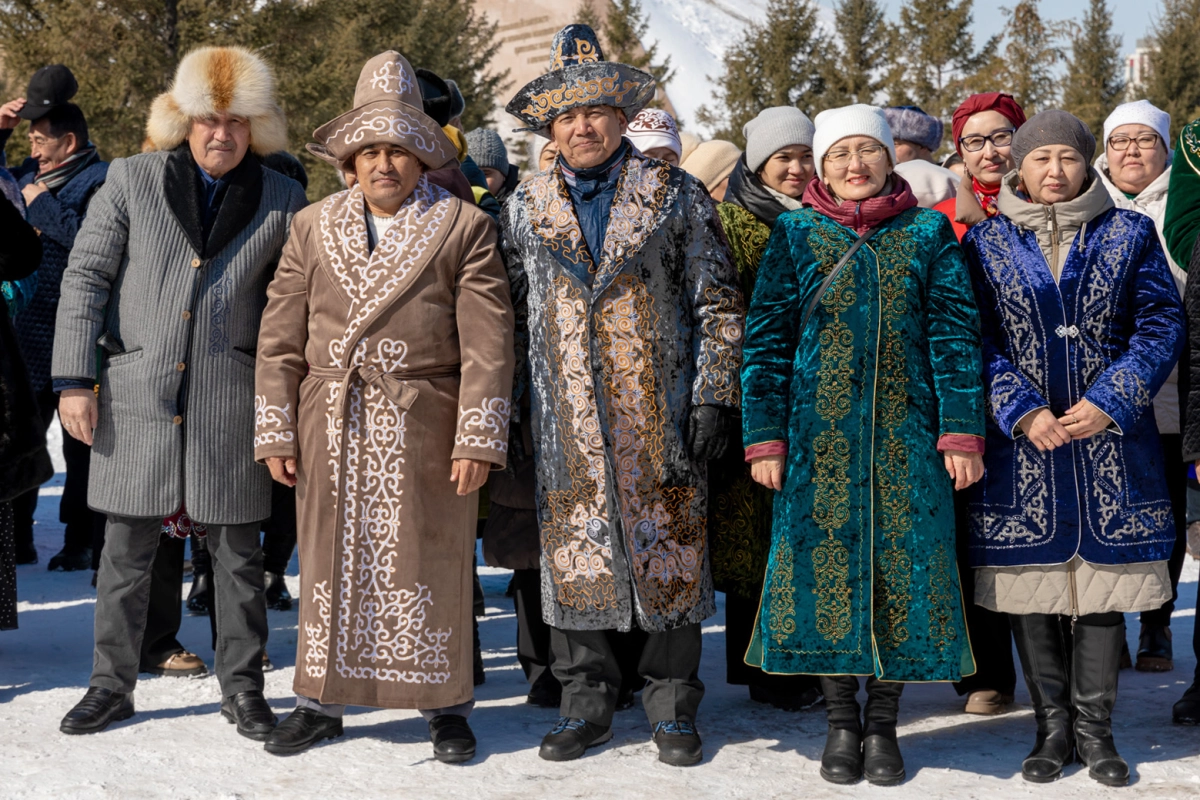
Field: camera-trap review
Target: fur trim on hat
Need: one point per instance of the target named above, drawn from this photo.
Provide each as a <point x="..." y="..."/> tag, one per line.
<point x="219" y="80"/>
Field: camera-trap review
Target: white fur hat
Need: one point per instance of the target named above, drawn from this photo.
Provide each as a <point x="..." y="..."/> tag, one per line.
<point x="219" y="80"/>
<point x="1140" y="112"/>
<point x="856" y="120"/>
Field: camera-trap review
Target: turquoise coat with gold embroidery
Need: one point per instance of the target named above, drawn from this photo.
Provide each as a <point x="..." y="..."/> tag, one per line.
<point x="615" y="349"/>
<point x="862" y="578"/>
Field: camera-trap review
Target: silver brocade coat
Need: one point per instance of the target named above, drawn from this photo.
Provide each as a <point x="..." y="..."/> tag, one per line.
<point x="615" y="363"/>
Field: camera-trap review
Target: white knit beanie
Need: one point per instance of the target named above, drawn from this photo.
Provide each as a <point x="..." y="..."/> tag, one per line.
<point x="856" y="120"/>
<point x="653" y="128"/>
<point x="1141" y="112"/>
<point x="774" y="129"/>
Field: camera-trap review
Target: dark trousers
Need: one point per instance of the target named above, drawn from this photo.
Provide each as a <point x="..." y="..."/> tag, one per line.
<point x="740" y="614"/>
<point x="533" y="634"/>
<point x="1177" y="480"/>
<point x="164" y="614"/>
<point x="990" y="631"/>
<point x="590" y="673"/>
<point x="123" y="601"/>
<point x="279" y="531"/>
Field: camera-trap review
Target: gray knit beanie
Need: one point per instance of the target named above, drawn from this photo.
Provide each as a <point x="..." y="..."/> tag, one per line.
<point x="1053" y="127"/>
<point x="774" y="129"/>
<point x="488" y="150"/>
<point x="912" y="124"/>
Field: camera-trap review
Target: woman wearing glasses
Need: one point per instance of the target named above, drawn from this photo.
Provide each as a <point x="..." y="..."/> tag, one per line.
<point x="863" y="410"/>
<point x="1071" y="526"/>
<point x="983" y="128"/>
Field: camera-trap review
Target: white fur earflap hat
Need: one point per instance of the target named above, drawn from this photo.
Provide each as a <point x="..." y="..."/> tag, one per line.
<point x="856" y="120"/>
<point x="219" y="80"/>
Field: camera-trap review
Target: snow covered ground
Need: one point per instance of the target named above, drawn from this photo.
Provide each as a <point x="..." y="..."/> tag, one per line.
<point x="178" y="746"/>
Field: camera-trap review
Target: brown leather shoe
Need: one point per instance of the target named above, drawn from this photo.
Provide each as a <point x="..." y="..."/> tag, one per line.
<point x="987" y="702"/>
<point x="179" y="665"/>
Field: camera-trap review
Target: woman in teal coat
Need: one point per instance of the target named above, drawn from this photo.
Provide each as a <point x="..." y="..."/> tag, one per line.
<point x="863" y="407"/>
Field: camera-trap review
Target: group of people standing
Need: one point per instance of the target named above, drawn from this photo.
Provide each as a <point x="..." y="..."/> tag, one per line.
<point x="940" y="386"/>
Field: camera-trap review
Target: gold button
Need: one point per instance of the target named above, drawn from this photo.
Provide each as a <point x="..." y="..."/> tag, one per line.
<point x="187" y="315"/>
<point x="195" y="262"/>
<point x="178" y="420"/>
<point x="180" y="367"/>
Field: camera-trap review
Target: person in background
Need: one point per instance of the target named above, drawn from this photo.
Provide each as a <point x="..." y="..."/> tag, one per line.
<point x="488" y="151"/>
<point x="954" y="163"/>
<point x="688" y="142"/>
<point x="654" y="133"/>
<point x="918" y="136"/>
<point x="57" y="182"/>
<point x="712" y="163"/>
<point x="444" y="103"/>
<point x="547" y="156"/>
<point x="1135" y="169"/>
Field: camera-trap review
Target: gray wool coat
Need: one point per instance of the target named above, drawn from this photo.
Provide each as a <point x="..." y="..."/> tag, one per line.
<point x="169" y="320"/>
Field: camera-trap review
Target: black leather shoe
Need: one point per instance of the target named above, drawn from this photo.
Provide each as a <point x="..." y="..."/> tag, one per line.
<point x="250" y="711"/>
<point x="882" y="763"/>
<point x="678" y="743"/>
<point x="453" y="740"/>
<point x="71" y="559"/>
<point x="301" y="730"/>
<point x="842" y="760"/>
<point x="1154" y="650"/>
<point x="1187" y="710"/>
<point x="197" y="599"/>
<point x="569" y="737"/>
<point x="277" y="594"/>
<point x="98" y="708"/>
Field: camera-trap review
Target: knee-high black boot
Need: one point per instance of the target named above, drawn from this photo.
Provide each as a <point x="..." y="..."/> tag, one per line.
<point x="199" y="599"/>
<point x="842" y="760"/>
<point x="1098" y="639"/>
<point x="1043" y="653"/>
<point x="882" y="763"/>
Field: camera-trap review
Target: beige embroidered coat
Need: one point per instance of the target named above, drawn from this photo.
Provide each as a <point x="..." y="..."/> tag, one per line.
<point x="377" y="370"/>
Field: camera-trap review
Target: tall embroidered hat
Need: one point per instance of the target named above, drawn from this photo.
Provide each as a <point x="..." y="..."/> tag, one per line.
<point x="387" y="110"/>
<point x="579" y="76"/>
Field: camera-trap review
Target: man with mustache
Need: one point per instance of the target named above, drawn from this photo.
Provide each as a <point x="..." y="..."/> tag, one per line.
<point x="168" y="277"/>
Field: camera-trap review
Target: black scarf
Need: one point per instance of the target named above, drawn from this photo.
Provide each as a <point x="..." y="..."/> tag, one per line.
<point x="747" y="190"/>
<point x="186" y="197"/>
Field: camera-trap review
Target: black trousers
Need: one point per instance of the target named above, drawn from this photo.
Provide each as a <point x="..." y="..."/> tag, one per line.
<point x="589" y="670"/>
<point x="279" y="531"/>
<point x="740" y="613"/>
<point x="533" y="634"/>
<point x="1177" y="480"/>
<point x="165" y="611"/>
<point x="990" y="631"/>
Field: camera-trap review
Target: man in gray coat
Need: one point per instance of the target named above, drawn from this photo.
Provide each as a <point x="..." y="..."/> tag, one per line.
<point x="168" y="279"/>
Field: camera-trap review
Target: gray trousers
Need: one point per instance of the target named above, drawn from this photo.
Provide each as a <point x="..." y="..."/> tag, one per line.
<point x="590" y="674"/>
<point x="123" y="600"/>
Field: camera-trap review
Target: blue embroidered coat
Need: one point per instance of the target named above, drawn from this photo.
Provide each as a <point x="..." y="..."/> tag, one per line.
<point x="1109" y="331"/>
<point x="862" y="577"/>
<point x="618" y="346"/>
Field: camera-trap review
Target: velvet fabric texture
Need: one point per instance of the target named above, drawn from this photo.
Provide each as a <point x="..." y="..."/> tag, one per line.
<point x="1109" y="331"/>
<point x="861" y="578"/>
<point x="1181" y="223"/>
<point x="861" y="215"/>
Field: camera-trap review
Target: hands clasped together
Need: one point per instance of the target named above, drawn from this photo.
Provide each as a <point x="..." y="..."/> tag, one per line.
<point x="1047" y="432"/>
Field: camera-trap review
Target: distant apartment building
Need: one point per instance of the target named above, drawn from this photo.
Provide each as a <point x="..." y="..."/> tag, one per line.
<point x="1137" y="68"/>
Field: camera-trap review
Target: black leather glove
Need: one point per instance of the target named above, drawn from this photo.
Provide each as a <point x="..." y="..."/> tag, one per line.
<point x="708" y="432"/>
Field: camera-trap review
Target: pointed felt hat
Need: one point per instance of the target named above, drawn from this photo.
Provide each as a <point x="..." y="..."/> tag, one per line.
<point x="579" y="76"/>
<point x="387" y="110"/>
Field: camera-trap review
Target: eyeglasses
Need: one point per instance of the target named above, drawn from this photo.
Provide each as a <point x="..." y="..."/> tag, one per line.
<point x="999" y="140"/>
<point x="1145" y="141"/>
<point x="867" y="155"/>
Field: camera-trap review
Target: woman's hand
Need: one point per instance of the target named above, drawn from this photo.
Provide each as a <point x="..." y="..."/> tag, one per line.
<point x="768" y="470"/>
<point x="1044" y="430"/>
<point x="1083" y="420"/>
<point x="964" y="468"/>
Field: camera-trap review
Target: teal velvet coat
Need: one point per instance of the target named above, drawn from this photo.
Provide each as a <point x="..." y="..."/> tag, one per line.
<point x="862" y="577"/>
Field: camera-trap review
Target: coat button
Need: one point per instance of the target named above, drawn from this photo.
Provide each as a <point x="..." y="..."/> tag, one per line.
<point x="178" y="420"/>
<point x="187" y="315"/>
<point x="180" y="367"/>
<point x="195" y="263"/>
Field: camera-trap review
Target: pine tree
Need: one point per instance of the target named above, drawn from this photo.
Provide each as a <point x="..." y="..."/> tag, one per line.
<point x="1031" y="52"/>
<point x="781" y="62"/>
<point x="1174" y="80"/>
<point x="1094" y="84"/>
<point x="935" y="53"/>
<point x="586" y="15"/>
<point x="857" y="74"/>
<point x="623" y="34"/>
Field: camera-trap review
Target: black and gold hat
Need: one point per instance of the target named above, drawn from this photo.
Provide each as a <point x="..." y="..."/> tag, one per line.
<point x="579" y="76"/>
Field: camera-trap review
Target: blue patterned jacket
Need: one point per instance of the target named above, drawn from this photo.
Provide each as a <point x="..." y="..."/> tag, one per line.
<point x="1109" y="331"/>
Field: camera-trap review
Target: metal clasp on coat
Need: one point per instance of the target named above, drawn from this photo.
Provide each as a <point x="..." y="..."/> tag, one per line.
<point x="1063" y="331"/>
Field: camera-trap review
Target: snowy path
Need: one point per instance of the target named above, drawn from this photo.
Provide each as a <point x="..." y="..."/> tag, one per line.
<point x="178" y="746"/>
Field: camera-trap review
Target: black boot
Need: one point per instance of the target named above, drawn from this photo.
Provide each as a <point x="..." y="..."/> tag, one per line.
<point x="71" y="559"/>
<point x="1187" y="710"/>
<point x="198" y="598"/>
<point x="1043" y="654"/>
<point x="1095" y="666"/>
<point x="278" y="596"/>
<point x="842" y="760"/>
<point x="882" y="763"/>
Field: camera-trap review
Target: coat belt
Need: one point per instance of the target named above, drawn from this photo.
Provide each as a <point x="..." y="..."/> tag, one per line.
<point x="395" y="385"/>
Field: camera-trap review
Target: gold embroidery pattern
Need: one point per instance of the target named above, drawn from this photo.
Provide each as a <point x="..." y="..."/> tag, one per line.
<point x="942" y="591"/>
<point x="782" y="609"/>
<point x="543" y="106"/>
<point x="552" y="217"/>
<point x="585" y="53"/>
<point x="747" y="239"/>
<point x="719" y="364"/>
<point x="831" y="565"/>
<point x="637" y="208"/>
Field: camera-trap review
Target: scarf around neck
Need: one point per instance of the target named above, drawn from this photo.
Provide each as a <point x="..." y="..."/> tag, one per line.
<point x="71" y="166"/>
<point x="862" y="215"/>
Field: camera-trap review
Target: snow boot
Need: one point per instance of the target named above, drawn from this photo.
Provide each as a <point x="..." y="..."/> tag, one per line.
<point x="71" y="559"/>
<point x="570" y="736"/>
<point x="1187" y="710"/>
<point x="882" y="763"/>
<point x="1042" y="650"/>
<point x="842" y="760"/>
<point x="1094" y="693"/>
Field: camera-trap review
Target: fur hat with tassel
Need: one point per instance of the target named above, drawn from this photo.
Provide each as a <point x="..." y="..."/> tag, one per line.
<point x="219" y="80"/>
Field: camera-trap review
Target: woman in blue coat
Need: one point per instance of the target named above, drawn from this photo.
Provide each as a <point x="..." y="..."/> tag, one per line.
<point x="1072" y="522"/>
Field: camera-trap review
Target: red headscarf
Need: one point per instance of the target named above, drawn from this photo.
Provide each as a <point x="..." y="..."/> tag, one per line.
<point x="988" y="101"/>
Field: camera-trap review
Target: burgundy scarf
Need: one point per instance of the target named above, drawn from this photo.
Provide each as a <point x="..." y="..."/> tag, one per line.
<point x="861" y="216"/>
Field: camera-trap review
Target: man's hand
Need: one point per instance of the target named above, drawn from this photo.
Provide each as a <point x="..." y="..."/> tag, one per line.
<point x="1044" y="430"/>
<point x="964" y="468"/>
<point x="78" y="412"/>
<point x="768" y="470"/>
<point x="31" y="192"/>
<point x="1083" y="420"/>
<point x="8" y="113"/>
<point x="469" y="473"/>
<point x="282" y="469"/>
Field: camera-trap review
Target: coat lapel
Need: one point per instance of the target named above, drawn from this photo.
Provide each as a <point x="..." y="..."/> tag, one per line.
<point x="243" y="194"/>
<point x="181" y="185"/>
<point x="553" y="218"/>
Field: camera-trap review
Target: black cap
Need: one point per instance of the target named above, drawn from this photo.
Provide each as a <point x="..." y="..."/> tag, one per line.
<point x="435" y="96"/>
<point x="49" y="87"/>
